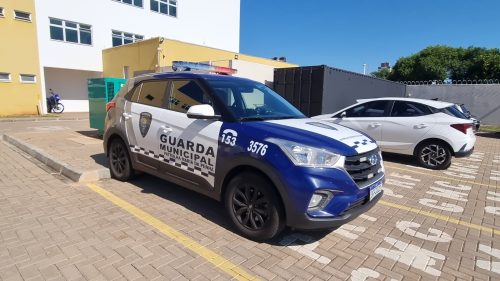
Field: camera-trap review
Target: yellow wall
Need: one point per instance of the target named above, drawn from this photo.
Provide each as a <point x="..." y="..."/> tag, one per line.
<point x="144" y="56"/>
<point x="19" y="51"/>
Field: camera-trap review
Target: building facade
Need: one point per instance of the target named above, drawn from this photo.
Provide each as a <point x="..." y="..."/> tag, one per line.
<point x="20" y="90"/>
<point x="71" y="34"/>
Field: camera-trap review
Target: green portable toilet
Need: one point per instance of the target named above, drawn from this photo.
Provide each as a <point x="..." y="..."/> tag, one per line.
<point x="101" y="91"/>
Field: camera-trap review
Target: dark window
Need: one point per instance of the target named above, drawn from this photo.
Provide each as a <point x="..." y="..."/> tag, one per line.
<point x="369" y="109"/>
<point x="153" y="92"/>
<point x="452" y="111"/>
<point x="186" y="94"/>
<point x="56" y="33"/>
<point x="70" y="31"/>
<point x="133" y="94"/>
<point x="71" y="35"/>
<point x="167" y="7"/>
<point x="137" y="3"/>
<point x="121" y="38"/>
<point x="409" y="109"/>
<point x="1" y="12"/>
<point x="18" y="15"/>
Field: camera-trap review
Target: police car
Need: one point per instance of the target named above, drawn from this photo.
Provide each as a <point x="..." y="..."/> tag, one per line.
<point x="237" y="141"/>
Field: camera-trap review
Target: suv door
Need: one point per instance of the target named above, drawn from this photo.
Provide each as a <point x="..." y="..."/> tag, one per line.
<point x="189" y="150"/>
<point x="406" y="126"/>
<point x="366" y="117"/>
<point x="143" y="114"/>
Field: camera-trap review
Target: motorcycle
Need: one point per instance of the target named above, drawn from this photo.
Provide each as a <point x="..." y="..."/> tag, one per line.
<point x="54" y="104"/>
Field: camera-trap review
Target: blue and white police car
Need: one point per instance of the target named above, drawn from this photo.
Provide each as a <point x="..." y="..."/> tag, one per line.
<point x="237" y="141"/>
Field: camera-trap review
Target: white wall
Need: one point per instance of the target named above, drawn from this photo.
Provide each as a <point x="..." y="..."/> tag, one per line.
<point x="214" y="23"/>
<point x="254" y="71"/>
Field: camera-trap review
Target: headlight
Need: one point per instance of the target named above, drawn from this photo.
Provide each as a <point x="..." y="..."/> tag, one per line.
<point x="302" y="155"/>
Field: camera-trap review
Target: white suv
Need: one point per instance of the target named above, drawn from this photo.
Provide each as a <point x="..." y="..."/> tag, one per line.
<point x="432" y="131"/>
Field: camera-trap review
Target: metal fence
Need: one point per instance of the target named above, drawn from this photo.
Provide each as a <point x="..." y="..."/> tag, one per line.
<point x="453" y="82"/>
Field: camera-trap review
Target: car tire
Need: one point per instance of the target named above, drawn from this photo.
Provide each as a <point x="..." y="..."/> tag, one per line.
<point x="254" y="206"/>
<point x="120" y="165"/>
<point x="435" y="155"/>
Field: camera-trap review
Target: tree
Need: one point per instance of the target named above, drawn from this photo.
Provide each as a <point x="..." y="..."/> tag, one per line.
<point x="382" y="73"/>
<point x="442" y="62"/>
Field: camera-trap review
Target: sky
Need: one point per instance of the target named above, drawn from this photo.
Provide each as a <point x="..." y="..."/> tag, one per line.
<point x="349" y="33"/>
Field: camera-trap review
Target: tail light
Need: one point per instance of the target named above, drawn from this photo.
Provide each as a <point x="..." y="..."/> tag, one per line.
<point x="462" y="127"/>
<point x="110" y="105"/>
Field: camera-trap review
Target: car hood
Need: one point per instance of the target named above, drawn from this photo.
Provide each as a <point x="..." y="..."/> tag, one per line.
<point x="319" y="134"/>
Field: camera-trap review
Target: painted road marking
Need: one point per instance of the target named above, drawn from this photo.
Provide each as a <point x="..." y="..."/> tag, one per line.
<point x="439" y="176"/>
<point x="217" y="260"/>
<point x="440" y="217"/>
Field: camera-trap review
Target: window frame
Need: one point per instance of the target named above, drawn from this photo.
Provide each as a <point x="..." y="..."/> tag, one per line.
<point x="27" y="82"/>
<point x="387" y="109"/>
<point x="78" y="30"/>
<point x="122" y="37"/>
<point x="16" y="17"/>
<point x="132" y="4"/>
<point x="6" y="80"/>
<point x="167" y="2"/>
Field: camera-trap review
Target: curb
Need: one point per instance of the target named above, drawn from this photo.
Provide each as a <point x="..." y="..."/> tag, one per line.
<point x="28" y="119"/>
<point x="61" y="167"/>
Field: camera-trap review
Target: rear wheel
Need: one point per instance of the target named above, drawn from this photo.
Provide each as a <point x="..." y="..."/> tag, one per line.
<point x="119" y="161"/>
<point x="434" y="155"/>
<point x="254" y="207"/>
<point x="58" y="108"/>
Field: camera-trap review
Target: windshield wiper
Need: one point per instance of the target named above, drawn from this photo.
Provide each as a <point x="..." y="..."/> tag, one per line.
<point x="252" y="119"/>
<point x="285" y="117"/>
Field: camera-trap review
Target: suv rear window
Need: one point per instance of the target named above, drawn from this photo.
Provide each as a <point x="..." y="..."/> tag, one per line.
<point x="409" y="109"/>
<point x="453" y="111"/>
<point x="153" y="93"/>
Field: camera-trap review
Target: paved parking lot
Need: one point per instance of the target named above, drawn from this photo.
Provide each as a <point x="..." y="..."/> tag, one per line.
<point x="430" y="225"/>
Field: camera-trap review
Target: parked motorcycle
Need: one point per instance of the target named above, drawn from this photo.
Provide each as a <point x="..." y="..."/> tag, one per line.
<point x="54" y="103"/>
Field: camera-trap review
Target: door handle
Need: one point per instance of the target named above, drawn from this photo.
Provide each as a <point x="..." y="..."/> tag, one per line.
<point x="166" y="129"/>
<point x="420" y="126"/>
<point x="126" y="115"/>
<point x="374" y="125"/>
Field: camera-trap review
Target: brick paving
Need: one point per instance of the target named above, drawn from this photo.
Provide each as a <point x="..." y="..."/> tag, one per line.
<point x="53" y="229"/>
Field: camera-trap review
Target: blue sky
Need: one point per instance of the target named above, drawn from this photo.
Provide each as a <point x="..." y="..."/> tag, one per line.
<point x="347" y="34"/>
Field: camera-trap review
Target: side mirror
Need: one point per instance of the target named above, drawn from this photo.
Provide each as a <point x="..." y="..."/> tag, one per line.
<point x="343" y="115"/>
<point x="202" y="111"/>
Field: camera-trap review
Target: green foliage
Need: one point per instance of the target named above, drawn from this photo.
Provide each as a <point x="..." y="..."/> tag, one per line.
<point x="442" y="62"/>
<point x="382" y="73"/>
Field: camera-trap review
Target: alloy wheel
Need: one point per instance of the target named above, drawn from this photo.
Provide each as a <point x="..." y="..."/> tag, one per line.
<point x="433" y="155"/>
<point x="118" y="158"/>
<point x="250" y="206"/>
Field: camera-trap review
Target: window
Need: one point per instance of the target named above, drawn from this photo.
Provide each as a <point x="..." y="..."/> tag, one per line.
<point x="122" y="38"/>
<point x="369" y="109"/>
<point x="4" y="77"/>
<point x="18" y="15"/>
<point x="167" y="7"/>
<point x="1" y="12"/>
<point x="186" y="94"/>
<point x="27" y="78"/>
<point x="137" y="3"/>
<point x="409" y="109"/>
<point x="69" y="31"/>
<point x="153" y="93"/>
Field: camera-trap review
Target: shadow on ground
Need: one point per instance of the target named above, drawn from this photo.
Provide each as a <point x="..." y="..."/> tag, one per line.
<point x="212" y="210"/>
<point x="491" y="135"/>
<point x="91" y="134"/>
<point x="400" y="159"/>
<point x="100" y="159"/>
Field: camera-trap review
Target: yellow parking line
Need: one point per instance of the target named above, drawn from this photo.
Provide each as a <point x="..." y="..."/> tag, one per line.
<point x="439" y="176"/>
<point x="217" y="260"/>
<point x="440" y="217"/>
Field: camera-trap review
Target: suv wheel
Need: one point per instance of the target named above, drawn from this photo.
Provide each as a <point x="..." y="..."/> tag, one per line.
<point x="119" y="161"/>
<point x="434" y="155"/>
<point x="254" y="207"/>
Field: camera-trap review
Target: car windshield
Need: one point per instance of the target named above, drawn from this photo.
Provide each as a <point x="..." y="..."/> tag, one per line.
<point x="453" y="111"/>
<point x="252" y="101"/>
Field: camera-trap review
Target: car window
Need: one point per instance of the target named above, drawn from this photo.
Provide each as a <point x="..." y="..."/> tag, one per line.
<point x="186" y="93"/>
<point x="409" y="109"/>
<point x="368" y="109"/>
<point x="133" y="94"/>
<point x="153" y="92"/>
<point x="453" y="111"/>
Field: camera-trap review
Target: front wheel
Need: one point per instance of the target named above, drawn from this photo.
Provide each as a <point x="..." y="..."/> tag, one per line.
<point x="254" y="207"/>
<point x="58" y="108"/>
<point x="434" y="155"/>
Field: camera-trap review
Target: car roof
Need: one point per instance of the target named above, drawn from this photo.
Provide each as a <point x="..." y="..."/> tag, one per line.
<point x="186" y="75"/>
<point x="433" y="103"/>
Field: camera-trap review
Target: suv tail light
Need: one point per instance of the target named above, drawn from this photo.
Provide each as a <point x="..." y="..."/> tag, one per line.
<point x="462" y="127"/>
<point x="110" y="105"/>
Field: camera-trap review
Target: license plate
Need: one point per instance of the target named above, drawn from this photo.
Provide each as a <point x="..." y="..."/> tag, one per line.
<point x="375" y="190"/>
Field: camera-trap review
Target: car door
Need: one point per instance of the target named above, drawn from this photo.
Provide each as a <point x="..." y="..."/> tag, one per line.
<point x="366" y="117"/>
<point x="406" y="126"/>
<point x="144" y="123"/>
<point x="189" y="148"/>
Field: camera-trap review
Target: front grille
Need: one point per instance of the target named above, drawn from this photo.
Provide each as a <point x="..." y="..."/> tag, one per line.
<point x="361" y="170"/>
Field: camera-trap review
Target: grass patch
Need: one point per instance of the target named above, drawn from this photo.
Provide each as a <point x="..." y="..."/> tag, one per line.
<point x="489" y="128"/>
